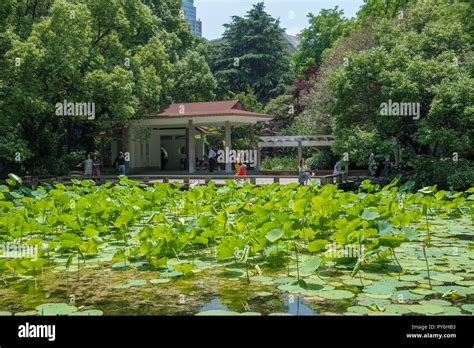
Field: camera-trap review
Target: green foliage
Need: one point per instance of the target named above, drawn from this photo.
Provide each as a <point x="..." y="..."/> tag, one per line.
<point x="321" y="159"/>
<point x="446" y="172"/>
<point x="282" y="163"/>
<point x="324" y="30"/>
<point x="193" y="80"/>
<point x="165" y="228"/>
<point x="126" y="57"/>
<point x="253" y="55"/>
<point x="418" y="59"/>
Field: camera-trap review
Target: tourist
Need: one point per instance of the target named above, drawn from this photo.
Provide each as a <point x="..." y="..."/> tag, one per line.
<point x="212" y="159"/>
<point x="120" y="163"/>
<point x="304" y="173"/>
<point x="372" y="164"/>
<point x="88" y="165"/>
<point x="164" y="158"/>
<point x="238" y="164"/>
<point x="242" y="172"/>
<point x="338" y="168"/>
<point x="96" y="166"/>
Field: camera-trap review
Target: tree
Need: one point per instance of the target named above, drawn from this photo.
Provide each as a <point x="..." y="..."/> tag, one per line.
<point x="421" y="60"/>
<point x="253" y="55"/>
<point x="324" y="30"/>
<point x="116" y="55"/>
<point x="193" y="80"/>
<point x="382" y="9"/>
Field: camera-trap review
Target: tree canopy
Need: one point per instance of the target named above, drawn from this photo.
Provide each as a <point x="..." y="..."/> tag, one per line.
<point x="125" y="57"/>
<point x="253" y="54"/>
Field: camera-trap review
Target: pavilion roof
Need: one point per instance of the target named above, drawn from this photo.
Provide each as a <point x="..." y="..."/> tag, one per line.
<point x="213" y="108"/>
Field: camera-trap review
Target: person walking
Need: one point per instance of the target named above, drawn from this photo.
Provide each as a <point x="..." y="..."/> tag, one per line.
<point x="120" y="163"/>
<point x="96" y="166"/>
<point x="212" y="159"/>
<point x="304" y="173"/>
<point x="88" y="166"/>
<point x="242" y="172"/>
<point x="372" y="164"/>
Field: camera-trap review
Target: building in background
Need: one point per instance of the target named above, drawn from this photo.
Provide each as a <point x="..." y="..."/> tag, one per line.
<point x="190" y="14"/>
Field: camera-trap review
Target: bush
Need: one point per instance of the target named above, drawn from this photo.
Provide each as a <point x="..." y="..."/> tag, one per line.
<point x="447" y="174"/>
<point x="322" y="159"/>
<point x="282" y="163"/>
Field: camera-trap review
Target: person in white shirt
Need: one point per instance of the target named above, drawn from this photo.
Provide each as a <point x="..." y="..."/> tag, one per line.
<point x="88" y="166"/>
<point x="212" y="159"/>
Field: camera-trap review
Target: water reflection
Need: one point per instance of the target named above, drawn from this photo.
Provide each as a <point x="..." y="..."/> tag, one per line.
<point x="292" y="304"/>
<point x="298" y="306"/>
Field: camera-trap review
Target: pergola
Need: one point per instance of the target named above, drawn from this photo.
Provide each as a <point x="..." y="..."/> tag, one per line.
<point x="296" y="141"/>
<point x="190" y="115"/>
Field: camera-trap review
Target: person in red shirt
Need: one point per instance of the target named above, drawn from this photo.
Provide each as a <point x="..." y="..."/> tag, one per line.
<point x="242" y="171"/>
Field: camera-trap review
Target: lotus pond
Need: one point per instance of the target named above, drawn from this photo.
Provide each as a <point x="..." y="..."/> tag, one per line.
<point x="135" y="249"/>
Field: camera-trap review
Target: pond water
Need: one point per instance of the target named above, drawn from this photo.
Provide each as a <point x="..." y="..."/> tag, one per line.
<point x="216" y="288"/>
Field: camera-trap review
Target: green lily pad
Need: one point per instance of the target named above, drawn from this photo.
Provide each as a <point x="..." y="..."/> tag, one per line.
<point x="420" y="291"/>
<point x="160" y="281"/>
<point x="335" y="294"/>
<point x="447" y="277"/>
<point x="465" y="282"/>
<point x="367" y="301"/>
<point x="264" y="294"/>
<point x="452" y="311"/>
<point x="379" y="288"/>
<point x="468" y="308"/>
<point x="397" y="309"/>
<point x="426" y="309"/>
<point x="378" y="296"/>
<point x="357" y="282"/>
<point x="463" y="290"/>
<point x="442" y="303"/>
<point x="231" y="274"/>
<point x="50" y="309"/>
<point x="359" y="310"/>
<point x="402" y="296"/>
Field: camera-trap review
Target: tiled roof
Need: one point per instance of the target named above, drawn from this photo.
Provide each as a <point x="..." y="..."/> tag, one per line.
<point x="214" y="108"/>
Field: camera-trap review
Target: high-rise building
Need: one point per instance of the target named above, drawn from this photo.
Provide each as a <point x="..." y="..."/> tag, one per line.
<point x="190" y="14"/>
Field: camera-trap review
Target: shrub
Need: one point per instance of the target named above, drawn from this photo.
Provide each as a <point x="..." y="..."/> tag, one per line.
<point x="282" y="163"/>
<point x="447" y="174"/>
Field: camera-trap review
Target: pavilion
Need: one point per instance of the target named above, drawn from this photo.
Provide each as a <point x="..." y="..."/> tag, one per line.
<point x="181" y="129"/>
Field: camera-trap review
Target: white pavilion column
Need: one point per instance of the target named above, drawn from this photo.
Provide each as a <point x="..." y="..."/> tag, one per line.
<point x="191" y="148"/>
<point x="228" y="145"/>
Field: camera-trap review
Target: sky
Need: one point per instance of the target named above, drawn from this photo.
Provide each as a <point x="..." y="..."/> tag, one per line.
<point x="292" y="13"/>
